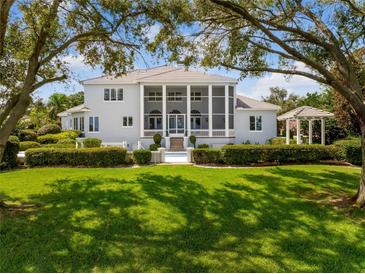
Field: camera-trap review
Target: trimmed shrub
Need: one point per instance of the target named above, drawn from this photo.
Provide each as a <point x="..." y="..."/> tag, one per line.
<point x="350" y="150"/>
<point x="55" y="138"/>
<point x="203" y="146"/>
<point x="254" y="154"/>
<point x="91" y="142"/>
<point x="192" y="140"/>
<point x="67" y="141"/>
<point x="10" y="155"/>
<point x="207" y="156"/>
<point x="141" y="156"/>
<point x="157" y="139"/>
<point x="154" y="147"/>
<point x="14" y="138"/>
<point x="27" y="135"/>
<point x="108" y="156"/>
<point x="59" y="145"/>
<point x="281" y="141"/>
<point x="23" y="146"/>
<point x="49" y="129"/>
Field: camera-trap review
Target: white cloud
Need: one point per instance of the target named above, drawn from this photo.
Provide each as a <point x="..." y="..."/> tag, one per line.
<point x="74" y="62"/>
<point x="296" y="84"/>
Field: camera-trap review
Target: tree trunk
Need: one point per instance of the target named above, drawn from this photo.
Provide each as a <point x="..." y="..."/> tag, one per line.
<point x="360" y="196"/>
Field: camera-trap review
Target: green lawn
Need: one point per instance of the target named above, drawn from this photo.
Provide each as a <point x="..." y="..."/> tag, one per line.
<point x="182" y="219"/>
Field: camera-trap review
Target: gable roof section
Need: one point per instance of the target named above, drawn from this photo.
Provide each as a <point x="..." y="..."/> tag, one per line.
<point x="305" y="112"/>
<point x="244" y="103"/>
<point x="167" y="74"/>
<point x="76" y="109"/>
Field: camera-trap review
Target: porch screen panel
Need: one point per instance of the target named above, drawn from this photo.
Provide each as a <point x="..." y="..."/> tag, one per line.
<point x="218" y="102"/>
<point x="153" y="107"/>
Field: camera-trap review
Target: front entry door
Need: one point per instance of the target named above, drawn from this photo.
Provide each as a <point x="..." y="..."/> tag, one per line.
<point x="176" y="124"/>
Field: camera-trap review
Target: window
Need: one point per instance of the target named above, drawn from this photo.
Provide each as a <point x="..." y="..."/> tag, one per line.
<point x="196" y="96"/>
<point x="113" y="94"/>
<point x="155" y="96"/>
<point x="76" y="124"/>
<point x="93" y="124"/>
<point x="174" y="96"/>
<point x="106" y="94"/>
<point x="120" y="94"/>
<point x="127" y="121"/>
<point x="195" y="122"/>
<point x="82" y="123"/>
<point x="256" y="123"/>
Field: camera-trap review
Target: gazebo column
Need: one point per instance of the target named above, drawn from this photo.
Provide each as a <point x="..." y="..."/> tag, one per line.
<point x="299" y="137"/>
<point x="287" y="131"/>
<point x="310" y="129"/>
<point x="323" y="137"/>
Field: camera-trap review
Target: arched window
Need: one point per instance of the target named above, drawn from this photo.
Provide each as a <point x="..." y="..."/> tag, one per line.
<point x="155" y="119"/>
<point x="175" y="111"/>
<point x="195" y="119"/>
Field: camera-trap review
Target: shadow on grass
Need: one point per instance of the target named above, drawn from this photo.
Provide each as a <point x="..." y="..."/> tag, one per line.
<point x="172" y="224"/>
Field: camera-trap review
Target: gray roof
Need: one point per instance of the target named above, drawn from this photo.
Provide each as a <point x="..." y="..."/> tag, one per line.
<point x="305" y="112"/>
<point x="79" y="108"/>
<point x="244" y="102"/>
<point x="167" y="74"/>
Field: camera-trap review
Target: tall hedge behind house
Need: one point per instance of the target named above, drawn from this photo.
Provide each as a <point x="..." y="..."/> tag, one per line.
<point x="110" y="156"/>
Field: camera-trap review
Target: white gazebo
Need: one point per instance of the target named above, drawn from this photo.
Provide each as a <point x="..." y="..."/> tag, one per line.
<point x="305" y="113"/>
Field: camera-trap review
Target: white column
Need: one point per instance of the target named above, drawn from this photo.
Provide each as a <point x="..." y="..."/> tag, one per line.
<point x="323" y="140"/>
<point x="226" y="110"/>
<point x="188" y="109"/>
<point x="210" y="110"/>
<point x="141" y="99"/>
<point x="299" y="137"/>
<point x="164" y="110"/>
<point x="310" y="133"/>
<point x="287" y="141"/>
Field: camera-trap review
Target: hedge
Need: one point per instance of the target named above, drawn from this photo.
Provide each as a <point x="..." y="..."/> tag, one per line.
<point x="109" y="156"/>
<point x="350" y="150"/>
<point x="10" y="155"/>
<point x="154" y="147"/>
<point x="27" y="135"/>
<point x="207" y="156"/>
<point x="281" y="141"/>
<point x="23" y="146"/>
<point x="55" y="138"/>
<point x="91" y="142"/>
<point x="49" y="129"/>
<point x="141" y="156"/>
<point x="14" y="138"/>
<point x="253" y="154"/>
<point x="59" y="145"/>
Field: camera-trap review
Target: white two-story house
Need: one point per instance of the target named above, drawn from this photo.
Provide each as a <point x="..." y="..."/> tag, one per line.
<point x="173" y="102"/>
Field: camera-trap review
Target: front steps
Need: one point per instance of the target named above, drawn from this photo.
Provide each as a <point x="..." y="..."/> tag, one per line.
<point x="176" y="157"/>
<point x="176" y="144"/>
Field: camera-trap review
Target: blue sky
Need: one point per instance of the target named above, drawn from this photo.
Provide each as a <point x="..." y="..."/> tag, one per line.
<point x="252" y="87"/>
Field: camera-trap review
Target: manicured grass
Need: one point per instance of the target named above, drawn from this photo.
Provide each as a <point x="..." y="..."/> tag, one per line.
<point x="182" y="219"/>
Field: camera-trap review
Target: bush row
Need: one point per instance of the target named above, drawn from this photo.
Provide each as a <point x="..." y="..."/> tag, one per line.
<point x="350" y="150"/>
<point x="55" y="138"/>
<point x="255" y="154"/>
<point x="110" y="156"/>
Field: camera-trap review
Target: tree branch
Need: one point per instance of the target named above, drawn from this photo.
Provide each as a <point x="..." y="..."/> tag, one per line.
<point x="47" y="81"/>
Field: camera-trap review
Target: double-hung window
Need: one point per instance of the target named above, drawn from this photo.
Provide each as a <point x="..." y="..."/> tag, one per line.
<point x="196" y="96"/>
<point x="112" y="94"/>
<point x="256" y="123"/>
<point x="76" y="123"/>
<point x="93" y="124"/>
<point x="82" y="123"/>
<point x="127" y="121"/>
<point x="155" y="96"/>
<point x="174" y="96"/>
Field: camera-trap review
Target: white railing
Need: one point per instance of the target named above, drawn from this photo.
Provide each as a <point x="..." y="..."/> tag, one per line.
<point x="219" y="133"/>
<point x="200" y="132"/>
<point x="151" y="132"/>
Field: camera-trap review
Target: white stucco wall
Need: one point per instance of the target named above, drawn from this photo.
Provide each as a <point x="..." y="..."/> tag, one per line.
<point x="111" y="113"/>
<point x="242" y="126"/>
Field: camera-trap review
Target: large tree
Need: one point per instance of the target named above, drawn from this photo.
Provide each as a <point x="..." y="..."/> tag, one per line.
<point x="37" y="35"/>
<point x="322" y="40"/>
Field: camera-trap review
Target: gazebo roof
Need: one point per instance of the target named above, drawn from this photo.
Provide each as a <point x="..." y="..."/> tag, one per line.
<point x="305" y="112"/>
